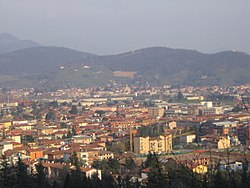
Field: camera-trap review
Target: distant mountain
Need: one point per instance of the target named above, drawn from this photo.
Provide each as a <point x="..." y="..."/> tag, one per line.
<point x="9" y="43"/>
<point x="37" y="66"/>
<point x="62" y="67"/>
<point x="159" y="65"/>
<point x="38" y="60"/>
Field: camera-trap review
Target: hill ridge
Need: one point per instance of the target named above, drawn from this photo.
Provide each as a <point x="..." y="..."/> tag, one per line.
<point x="64" y="67"/>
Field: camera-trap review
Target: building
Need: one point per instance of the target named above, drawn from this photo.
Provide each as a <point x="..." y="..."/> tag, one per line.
<point x="233" y="166"/>
<point x="223" y="143"/>
<point x="5" y="123"/>
<point x="156" y="112"/>
<point x="208" y="104"/>
<point x="172" y="124"/>
<point x="104" y="155"/>
<point x="34" y="153"/>
<point x="193" y="111"/>
<point x="215" y="141"/>
<point x="195" y="98"/>
<point x="4" y="146"/>
<point x="200" y="169"/>
<point x="161" y="144"/>
<point x="82" y="139"/>
<point x="186" y="139"/>
<point x="207" y="111"/>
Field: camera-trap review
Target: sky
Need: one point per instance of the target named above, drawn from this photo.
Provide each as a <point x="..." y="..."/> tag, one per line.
<point x="115" y="26"/>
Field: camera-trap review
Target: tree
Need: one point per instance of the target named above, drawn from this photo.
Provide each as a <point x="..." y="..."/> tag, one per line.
<point x="73" y="131"/>
<point x="100" y="112"/>
<point x="113" y="165"/>
<point x="95" y="181"/>
<point x="73" y="110"/>
<point x="219" y="179"/>
<point x="18" y="112"/>
<point x="149" y="160"/>
<point x="69" y="134"/>
<point x="22" y="176"/>
<point x="237" y="108"/>
<point x="64" y="136"/>
<point x="63" y="125"/>
<point x="53" y="104"/>
<point x="74" y="160"/>
<point x="76" y="178"/>
<point x="108" y="181"/>
<point x="156" y="177"/>
<point x="107" y="166"/>
<point x="130" y="163"/>
<point x="35" y="110"/>
<point x="7" y="178"/>
<point x="50" y="116"/>
<point x="117" y="147"/>
<point x="180" y="96"/>
<point x="67" y="181"/>
<point x="40" y="177"/>
<point x="64" y="103"/>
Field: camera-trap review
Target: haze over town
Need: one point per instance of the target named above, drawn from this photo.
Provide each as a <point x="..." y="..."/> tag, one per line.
<point x="124" y="93"/>
<point x="115" y="26"/>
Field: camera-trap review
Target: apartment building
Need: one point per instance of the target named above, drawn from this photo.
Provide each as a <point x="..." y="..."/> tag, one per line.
<point x="156" y="112"/>
<point x="161" y="144"/>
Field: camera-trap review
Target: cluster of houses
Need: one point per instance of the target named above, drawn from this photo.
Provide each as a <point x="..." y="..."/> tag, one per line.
<point x="108" y="117"/>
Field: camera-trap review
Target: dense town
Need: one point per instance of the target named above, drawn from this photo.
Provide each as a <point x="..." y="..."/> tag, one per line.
<point x="131" y="135"/>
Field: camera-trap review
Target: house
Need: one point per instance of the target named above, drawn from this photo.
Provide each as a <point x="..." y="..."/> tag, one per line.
<point x="89" y="172"/>
<point x="15" y="137"/>
<point x="55" y="155"/>
<point x="82" y="139"/>
<point x="233" y="166"/>
<point x="59" y="134"/>
<point x="59" y="170"/>
<point x="4" y="146"/>
<point x="35" y="153"/>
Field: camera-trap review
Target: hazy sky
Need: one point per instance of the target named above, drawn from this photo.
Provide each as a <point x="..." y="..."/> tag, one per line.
<point x="114" y="26"/>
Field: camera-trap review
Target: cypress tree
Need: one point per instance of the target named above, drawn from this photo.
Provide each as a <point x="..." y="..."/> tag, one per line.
<point x="156" y="176"/>
<point x="40" y="178"/>
<point x="73" y="110"/>
<point x="24" y="179"/>
<point x="7" y="178"/>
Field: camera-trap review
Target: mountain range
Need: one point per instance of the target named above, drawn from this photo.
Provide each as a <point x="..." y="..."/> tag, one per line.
<point x="25" y="63"/>
<point x="9" y="43"/>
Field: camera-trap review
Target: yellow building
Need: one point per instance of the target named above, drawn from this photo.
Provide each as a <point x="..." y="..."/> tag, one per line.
<point x="6" y="124"/>
<point x="200" y="169"/>
<point x="223" y="143"/>
<point x="161" y="144"/>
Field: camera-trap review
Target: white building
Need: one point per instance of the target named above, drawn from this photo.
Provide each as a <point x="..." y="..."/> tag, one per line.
<point x="186" y="139"/>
